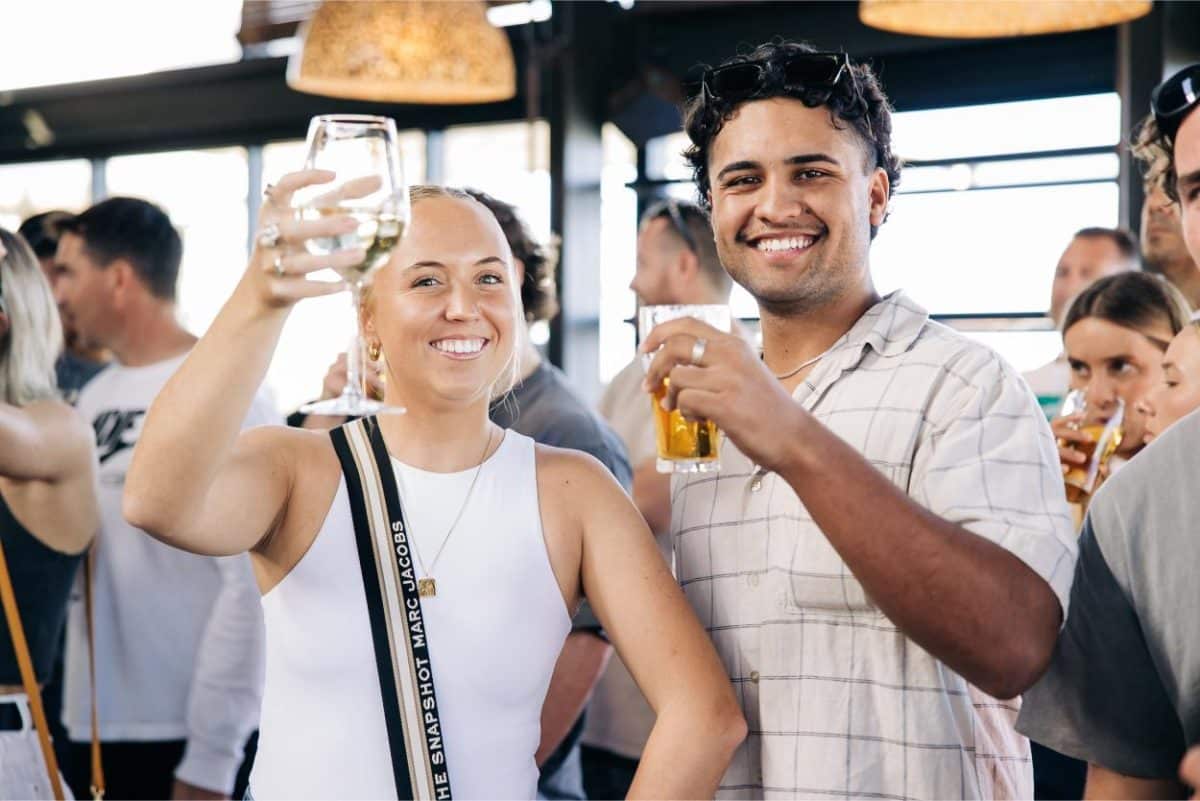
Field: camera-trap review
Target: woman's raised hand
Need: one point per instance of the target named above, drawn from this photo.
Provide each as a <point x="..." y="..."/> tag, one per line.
<point x="279" y="264"/>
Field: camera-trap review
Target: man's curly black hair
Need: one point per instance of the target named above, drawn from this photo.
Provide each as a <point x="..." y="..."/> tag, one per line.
<point x="857" y="100"/>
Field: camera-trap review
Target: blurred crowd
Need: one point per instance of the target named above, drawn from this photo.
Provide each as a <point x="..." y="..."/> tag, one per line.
<point x="912" y="564"/>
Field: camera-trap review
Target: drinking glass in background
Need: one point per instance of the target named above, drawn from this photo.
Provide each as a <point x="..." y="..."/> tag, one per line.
<point x="364" y="153"/>
<point x="683" y="446"/>
<point x="1104" y="438"/>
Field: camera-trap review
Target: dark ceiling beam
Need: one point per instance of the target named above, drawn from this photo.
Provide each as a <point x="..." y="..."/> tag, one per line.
<point x="242" y="103"/>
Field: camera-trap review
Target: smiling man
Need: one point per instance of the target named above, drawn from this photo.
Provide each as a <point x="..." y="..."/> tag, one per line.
<point x="888" y="530"/>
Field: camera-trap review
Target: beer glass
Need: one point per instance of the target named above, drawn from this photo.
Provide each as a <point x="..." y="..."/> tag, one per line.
<point x="683" y="446"/>
<point x="1105" y="436"/>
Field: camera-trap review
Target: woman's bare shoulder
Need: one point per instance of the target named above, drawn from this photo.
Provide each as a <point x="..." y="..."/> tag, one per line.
<point x="299" y="447"/>
<point x="567" y="467"/>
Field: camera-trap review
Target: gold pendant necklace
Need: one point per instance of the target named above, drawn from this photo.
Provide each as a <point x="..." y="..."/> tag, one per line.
<point x="427" y="587"/>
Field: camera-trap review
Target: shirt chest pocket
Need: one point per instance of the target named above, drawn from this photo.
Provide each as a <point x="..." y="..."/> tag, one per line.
<point x="818" y="580"/>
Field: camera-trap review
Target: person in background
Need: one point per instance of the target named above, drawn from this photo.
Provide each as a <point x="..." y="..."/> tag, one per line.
<point x="1164" y="250"/>
<point x="1178" y="395"/>
<point x="1092" y="254"/>
<point x="1120" y="690"/>
<point x="48" y="507"/>
<point x="676" y="264"/>
<point x="1115" y="335"/>
<point x="80" y="360"/>
<point x="78" y="363"/>
<point x="178" y="637"/>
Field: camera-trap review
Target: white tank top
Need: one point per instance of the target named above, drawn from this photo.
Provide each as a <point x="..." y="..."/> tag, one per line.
<point x="495" y="630"/>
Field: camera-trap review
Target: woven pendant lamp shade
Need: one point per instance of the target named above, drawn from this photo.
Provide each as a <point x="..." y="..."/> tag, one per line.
<point x="973" y="19"/>
<point x="404" y="51"/>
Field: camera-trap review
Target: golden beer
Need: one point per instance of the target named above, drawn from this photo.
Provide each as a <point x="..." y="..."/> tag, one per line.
<point x="679" y="440"/>
<point x="683" y="446"/>
<point x="1080" y="480"/>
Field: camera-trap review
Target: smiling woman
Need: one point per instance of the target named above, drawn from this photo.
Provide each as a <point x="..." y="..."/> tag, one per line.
<point x="460" y="307"/>
<point x="401" y="556"/>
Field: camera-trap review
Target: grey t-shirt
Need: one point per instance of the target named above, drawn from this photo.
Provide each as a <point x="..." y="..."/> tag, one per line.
<point x="546" y="409"/>
<point x="1122" y="689"/>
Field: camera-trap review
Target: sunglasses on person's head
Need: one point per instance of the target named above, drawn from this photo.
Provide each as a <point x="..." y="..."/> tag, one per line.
<point x="669" y="208"/>
<point x="1174" y="98"/>
<point x="796" y="71"/>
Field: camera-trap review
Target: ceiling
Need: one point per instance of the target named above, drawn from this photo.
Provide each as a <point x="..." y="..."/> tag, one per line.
<point x="638" y="56"/>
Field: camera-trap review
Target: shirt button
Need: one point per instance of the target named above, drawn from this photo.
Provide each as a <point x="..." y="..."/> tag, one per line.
<point x="752" y="579"/>
<point x="756" y="484"/>
<point x="754" y="676"/>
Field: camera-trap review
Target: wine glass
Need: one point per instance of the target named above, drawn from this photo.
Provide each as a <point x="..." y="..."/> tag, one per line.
<point x="363" y="151"/>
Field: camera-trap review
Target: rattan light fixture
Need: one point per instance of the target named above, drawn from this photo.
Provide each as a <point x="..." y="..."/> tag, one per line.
<point x="404" y="51"/>
<point x="973" y="19"/>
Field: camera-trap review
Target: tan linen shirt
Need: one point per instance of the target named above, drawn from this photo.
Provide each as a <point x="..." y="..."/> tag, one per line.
<point x="839" y="702"/>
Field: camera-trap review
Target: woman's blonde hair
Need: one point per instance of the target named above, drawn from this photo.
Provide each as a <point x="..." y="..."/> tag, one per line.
<point x="511" y="372"/>
<point x="30" y="347"/>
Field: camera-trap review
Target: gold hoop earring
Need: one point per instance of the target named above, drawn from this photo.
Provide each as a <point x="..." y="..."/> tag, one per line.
<point x="374" y="350"/>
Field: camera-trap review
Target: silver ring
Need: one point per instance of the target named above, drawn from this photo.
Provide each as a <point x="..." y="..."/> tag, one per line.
<point x="268" y="235"/>
<point x="278" y="265"/>
<point x="698" y="350"/>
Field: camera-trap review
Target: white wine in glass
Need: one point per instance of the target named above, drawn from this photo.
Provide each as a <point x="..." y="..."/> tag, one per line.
<point x="364" y="154"/>
<point x="379" y="230"/>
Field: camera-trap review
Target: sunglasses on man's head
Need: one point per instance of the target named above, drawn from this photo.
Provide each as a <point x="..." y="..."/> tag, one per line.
<point x="1174" y="98"/>
<point x="796" y="71"/>
<point x="669" y="208"/>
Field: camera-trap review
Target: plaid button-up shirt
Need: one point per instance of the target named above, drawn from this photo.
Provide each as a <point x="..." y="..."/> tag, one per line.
<point x="839" y="702"/>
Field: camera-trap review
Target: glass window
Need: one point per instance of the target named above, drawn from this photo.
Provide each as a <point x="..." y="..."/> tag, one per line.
<point x="985" y="251"/>
<point x="28" y="189"/>
<point x="510" y="161"/>
<point x="1009" y="172"/>
<point x="138" y="36"/>
<point x="664" y="157"/>
<point x="1029" y="126"/>
<point x="618" y="251"/>
<point x="204" y="192"/>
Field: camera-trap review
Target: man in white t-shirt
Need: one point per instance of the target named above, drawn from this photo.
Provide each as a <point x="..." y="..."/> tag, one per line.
<point x="1092" y="254"/>
<point x="676" y="263"/>
<point x="178" y="637"/>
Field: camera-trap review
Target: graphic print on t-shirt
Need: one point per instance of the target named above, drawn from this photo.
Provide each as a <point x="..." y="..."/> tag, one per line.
<point x="117" y="430"/>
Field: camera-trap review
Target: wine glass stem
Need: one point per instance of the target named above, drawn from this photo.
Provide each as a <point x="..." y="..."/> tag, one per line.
<point x="354" y="358"/>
